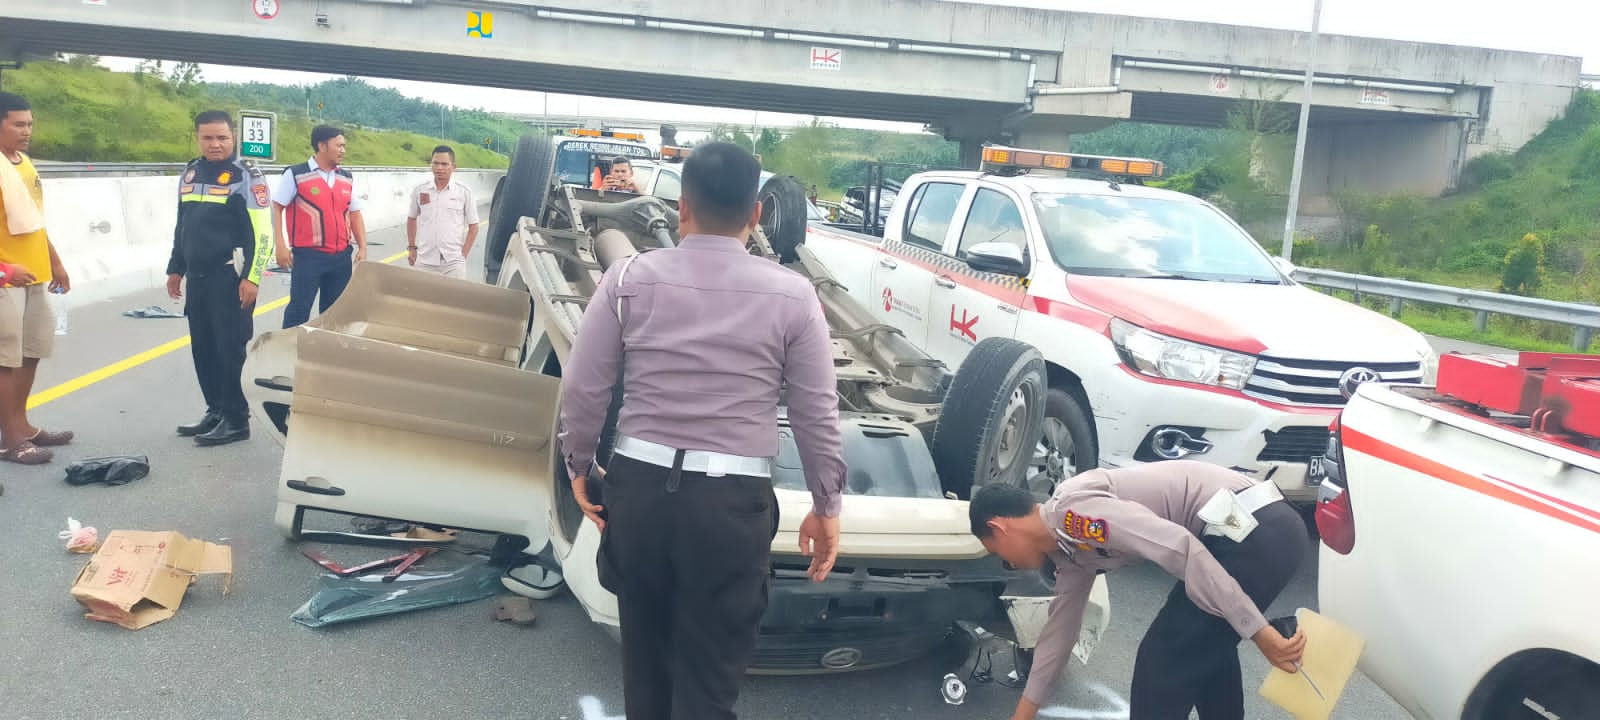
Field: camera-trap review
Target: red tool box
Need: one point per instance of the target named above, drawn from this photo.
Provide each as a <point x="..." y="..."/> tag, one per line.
<point x="1560" y="393"/>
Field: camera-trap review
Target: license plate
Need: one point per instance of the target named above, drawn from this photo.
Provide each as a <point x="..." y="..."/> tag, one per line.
<point x="1316" y="470"/>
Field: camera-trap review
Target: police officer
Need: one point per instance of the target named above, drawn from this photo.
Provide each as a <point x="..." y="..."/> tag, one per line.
<point x="704" y="336"/>
<point x="221" y="243"/>
<point x="1232" y="542"/>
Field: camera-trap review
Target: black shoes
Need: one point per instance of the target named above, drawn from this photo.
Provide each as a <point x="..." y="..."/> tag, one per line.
<point x="226" y="431"/>
<point x="206" y="424"/>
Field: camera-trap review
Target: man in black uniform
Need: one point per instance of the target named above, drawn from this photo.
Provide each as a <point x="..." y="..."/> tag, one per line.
<point x="221" y="244"/>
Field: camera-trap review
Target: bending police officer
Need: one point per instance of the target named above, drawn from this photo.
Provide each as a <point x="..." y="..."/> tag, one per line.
<point x="1232" y="542"/>
<point x="220" y="245"/>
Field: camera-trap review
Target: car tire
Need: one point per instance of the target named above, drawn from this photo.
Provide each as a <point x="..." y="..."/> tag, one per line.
<point x="568" y="515"/>
<point x="783" y="216"/>
<point x="520" y="193"/>
<point x="1066" y="443"/>
<point x="991" y="418"/>
<point x="1562" y="685"/>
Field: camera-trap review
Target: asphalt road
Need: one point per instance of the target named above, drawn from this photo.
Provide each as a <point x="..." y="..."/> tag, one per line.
<point x="242" y="657"/>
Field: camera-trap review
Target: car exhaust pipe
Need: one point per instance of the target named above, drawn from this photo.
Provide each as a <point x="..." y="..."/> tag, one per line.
<point x="1172" y="444"/>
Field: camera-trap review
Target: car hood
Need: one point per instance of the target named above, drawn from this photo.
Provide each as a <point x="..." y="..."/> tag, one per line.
<point x="1287" y="321"/>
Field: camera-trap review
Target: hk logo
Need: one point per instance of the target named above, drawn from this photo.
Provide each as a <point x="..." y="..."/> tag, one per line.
<point x="888" y="299"/>
<point x="964" y="326"/>
<point x="480" y="24"/>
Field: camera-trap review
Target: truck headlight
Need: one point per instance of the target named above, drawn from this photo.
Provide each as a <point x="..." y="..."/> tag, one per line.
<point x="1161" y="356"/>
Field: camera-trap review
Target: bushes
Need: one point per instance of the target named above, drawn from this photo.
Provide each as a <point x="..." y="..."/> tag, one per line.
<point x="1523" y="273"/>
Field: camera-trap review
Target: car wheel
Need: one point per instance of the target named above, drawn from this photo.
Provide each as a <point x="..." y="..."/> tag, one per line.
<point x="783" y="216"/>
<point x="521" y="193"/>
<point x="1066" y="445"/>
<point x="1546" y="685"/>
<point x="989" y="425"/>
<point x="568" y="515"/>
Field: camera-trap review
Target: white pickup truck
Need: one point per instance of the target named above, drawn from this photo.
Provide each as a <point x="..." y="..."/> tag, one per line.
<point x="1167" y="330"/>
<point x="1461" y="537"/>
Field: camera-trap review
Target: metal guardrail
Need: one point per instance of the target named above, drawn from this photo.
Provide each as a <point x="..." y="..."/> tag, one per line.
<point x="1584" y="318"/>
<point x="55" y="169"/>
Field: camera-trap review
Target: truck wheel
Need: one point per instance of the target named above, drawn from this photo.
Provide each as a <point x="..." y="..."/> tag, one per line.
<point x="989" y="425"/>
<point x="521" y="193"/>
<point x="1066" y="447"/>
<point x="783" y="216"/>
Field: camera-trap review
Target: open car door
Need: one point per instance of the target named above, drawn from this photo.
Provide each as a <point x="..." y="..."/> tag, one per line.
<point x="407" y="404"/>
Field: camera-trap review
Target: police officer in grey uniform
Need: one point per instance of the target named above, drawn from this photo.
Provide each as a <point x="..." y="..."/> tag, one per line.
<point x="1232" y="542"/>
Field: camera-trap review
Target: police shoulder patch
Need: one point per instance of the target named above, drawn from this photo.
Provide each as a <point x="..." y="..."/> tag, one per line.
<point x="1084" y="528"/>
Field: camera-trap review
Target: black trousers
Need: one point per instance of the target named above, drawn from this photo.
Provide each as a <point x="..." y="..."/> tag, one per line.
<point x="687" y="557"/>
<point x="1189" y="659"/>
<point x="219" y="330"/>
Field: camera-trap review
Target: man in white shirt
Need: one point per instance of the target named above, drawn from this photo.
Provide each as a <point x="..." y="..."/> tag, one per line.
<point x="443" y="221"/>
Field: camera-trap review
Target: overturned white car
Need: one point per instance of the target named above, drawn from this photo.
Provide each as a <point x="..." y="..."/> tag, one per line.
<point x="425" y="399"/>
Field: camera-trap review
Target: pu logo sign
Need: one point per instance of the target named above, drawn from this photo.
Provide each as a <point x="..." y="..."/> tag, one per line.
<point x="480" y="24"/>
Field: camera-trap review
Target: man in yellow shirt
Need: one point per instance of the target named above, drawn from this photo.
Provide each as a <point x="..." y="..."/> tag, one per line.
<point x="27" y="324"/>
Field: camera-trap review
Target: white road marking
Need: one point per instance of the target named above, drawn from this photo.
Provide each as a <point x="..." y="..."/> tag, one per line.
<point x="1118" y="709"/>
<point x="593" y="710"/>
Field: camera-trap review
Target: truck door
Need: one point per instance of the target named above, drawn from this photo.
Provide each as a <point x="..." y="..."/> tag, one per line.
<point x="901" y="279"/>
<point x="967" y="305"/>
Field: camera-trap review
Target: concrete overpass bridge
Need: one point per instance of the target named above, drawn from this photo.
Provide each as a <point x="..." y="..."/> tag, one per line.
<point x="1388" y="116"/>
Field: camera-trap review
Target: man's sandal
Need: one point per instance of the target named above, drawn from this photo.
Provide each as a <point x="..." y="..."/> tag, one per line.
<point x="27" y="454"/>
<point x="45" y="438"/>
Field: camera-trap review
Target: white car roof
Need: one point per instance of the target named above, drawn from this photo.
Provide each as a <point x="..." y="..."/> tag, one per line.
<point x="1065" y="185"/>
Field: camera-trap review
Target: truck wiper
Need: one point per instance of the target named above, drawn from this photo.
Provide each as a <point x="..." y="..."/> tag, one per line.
<point x="1164" y="276"/>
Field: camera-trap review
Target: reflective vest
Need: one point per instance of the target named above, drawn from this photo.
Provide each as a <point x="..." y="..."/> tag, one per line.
<point x="319" y="217"/>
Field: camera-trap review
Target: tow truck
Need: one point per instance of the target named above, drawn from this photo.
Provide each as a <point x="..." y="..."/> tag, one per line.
<point x="1167" y="331"/>
<point x="431" y="400"/>
<point x="1460" y="531"/>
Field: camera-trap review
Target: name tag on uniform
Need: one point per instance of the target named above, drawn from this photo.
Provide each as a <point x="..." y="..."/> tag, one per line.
<point x="423" y="199"/>
<point x="1232" y="515"/>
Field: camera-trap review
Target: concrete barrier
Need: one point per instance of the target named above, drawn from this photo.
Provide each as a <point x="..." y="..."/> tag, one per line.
<point x="114" y="234"/>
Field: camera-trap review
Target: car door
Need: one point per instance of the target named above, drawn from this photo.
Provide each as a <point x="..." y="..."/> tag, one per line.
<point x="902" y="279"/>
<point x="967" y="305"/>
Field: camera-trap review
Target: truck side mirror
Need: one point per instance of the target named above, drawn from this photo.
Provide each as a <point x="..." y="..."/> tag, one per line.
<point x="997" y="257"/>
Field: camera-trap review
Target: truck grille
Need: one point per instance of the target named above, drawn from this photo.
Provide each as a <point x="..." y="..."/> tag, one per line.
<point x="1316" y="382"/>
<point x="1294" y="444"/>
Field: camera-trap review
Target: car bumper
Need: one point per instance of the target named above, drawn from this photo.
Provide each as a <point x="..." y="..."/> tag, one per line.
<point x="1255" y="439"/>
<point x="869" y="615"/>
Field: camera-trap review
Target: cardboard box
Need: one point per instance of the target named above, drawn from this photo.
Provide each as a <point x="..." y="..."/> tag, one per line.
<point x="138" y="579"/>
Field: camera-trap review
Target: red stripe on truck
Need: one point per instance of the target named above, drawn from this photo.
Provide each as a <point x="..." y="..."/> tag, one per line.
<point x="1502" y="490"/>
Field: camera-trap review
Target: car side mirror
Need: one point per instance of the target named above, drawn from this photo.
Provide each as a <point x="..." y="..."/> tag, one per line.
<point x="1284" y="266"/>
<point x="997" y="257"/>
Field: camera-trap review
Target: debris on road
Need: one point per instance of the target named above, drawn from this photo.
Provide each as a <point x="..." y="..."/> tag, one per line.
<point x="515" y="610"/>
<point x="343" y="599"/>
<point x="80" y="539"/>
<point x="137" y="579"/>
<point x="111" y="470"/>
<point x="417" y="532"/>
<point x="401" y="563"/>
<point x="153" y="311"/>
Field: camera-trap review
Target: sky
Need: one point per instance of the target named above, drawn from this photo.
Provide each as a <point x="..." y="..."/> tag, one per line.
<point x="1561" y="27"/>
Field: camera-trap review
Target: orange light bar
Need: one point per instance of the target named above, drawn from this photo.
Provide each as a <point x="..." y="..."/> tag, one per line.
<point x="627" y="136"/>
<point x="673" y="151"/>
<point x="998" y="156"/>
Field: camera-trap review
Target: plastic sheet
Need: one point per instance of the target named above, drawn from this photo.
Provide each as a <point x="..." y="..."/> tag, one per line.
<point x="112" y="470"/>
<point x="355" y="598"/>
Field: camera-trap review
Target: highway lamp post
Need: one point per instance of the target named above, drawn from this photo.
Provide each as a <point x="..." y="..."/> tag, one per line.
<point x="1300" y="137"/>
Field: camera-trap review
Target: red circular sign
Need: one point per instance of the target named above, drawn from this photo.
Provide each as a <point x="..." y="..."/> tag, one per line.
<point x="265" y="9"/>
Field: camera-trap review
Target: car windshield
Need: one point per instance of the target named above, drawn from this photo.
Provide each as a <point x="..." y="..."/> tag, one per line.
<point x="1149" y="237"/>
<point x="575" y="159"/>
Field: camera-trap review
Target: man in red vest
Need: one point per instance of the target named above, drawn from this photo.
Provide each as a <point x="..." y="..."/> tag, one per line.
<point x="318" y="212"/>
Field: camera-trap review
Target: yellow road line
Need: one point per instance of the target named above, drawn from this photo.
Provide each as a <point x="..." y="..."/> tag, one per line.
<point x="133" y="361"/>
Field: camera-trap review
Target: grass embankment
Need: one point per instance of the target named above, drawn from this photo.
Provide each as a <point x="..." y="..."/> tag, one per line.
<point x="84" y="112"/>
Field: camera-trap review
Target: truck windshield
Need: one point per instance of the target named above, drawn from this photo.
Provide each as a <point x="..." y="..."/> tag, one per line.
<point x="1149" y="237"/>
<point x="575" y="159"/>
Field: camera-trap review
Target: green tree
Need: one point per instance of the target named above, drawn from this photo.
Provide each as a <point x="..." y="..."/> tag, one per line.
<point x="1523" y="273"/>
